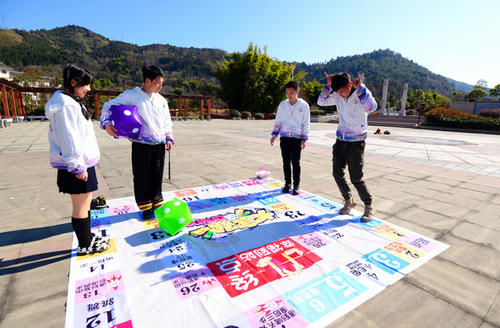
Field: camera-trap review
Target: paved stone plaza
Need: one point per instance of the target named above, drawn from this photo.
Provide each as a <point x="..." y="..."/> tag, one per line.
<point x="445" y="185"/>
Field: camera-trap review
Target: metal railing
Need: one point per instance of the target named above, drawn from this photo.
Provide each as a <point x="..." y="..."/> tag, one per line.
<point x="15" y="108"/>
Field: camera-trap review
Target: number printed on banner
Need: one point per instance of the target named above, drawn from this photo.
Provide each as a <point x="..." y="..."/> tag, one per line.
<point x="385" y="261"/>
<point x="294" y="214"/>
<point x="403" y="251"/>
<point x="194" y="283"/>
<point x="324" y="294"/>
<point x="332" y="233"/>
<point x="394" y="233"/>
<point x="268" y="201"/>
<point x="103" y="319"/>
<point x="188" y="199"/>
<point x="158" y="235"/>
<point x="359" y="267"/>
<point x="99" y="265"/>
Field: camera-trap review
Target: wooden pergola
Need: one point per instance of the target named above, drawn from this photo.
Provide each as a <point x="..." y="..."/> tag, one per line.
<point x="16" y="107"/>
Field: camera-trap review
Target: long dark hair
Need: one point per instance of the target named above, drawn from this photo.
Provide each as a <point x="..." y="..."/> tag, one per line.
<point x="82" y="77"/>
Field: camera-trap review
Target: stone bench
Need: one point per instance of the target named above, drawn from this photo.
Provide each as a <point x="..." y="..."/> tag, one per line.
<point x="37" y="117"/>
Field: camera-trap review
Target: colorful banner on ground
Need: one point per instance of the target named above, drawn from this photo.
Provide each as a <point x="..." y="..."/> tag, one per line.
<point x="252" y="257"/>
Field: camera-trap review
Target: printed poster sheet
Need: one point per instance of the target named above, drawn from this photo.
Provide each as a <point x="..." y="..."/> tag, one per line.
<point x="252" y="257"/>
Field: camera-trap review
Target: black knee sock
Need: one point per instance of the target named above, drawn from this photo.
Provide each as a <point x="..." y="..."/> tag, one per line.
<point x="82" y="230"/>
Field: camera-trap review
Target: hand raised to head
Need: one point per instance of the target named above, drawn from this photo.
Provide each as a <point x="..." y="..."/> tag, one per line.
<point x="328" y="78"/>
<point x="357" y="82"/>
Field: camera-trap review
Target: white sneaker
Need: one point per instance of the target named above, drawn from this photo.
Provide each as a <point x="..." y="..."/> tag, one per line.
<point x="93" y="248"/>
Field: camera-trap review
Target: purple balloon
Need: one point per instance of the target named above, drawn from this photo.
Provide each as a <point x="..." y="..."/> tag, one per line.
<point x="126" y="121"/>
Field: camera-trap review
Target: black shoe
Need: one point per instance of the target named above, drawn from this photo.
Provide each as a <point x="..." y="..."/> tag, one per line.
<point x="147" y="214"/>
<point x="98" y="203"/>
<point x="286" y="189"/>
<point x="295" y="191"/>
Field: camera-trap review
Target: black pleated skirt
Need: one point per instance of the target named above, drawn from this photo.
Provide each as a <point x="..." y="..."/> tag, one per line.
<point x="69" y="184"/>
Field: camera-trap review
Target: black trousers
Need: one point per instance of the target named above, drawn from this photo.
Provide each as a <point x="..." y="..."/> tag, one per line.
<point x="350" y="154"/>
<point x="290" y="152"/>
<point x="147" y="167"/>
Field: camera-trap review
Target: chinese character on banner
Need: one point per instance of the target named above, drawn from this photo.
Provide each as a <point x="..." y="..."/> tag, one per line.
<point x="253" y="268"/>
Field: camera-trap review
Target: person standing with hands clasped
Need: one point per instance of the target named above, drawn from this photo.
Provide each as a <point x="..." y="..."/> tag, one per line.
<point x="292" y="124"/>
<point x="354" y="102"/>
<point x="74" y="153"/>
<point x="148" y="149"/>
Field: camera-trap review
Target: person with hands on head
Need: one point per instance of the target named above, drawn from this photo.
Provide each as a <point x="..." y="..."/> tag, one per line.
<point x="74" y="153"/>
<point x="354" y="102"/>
<point x="292" y="125"/>
<point x="148" y="149"/>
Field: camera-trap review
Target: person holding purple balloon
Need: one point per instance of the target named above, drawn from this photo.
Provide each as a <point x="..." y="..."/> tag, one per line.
<point x="152" y="137"/>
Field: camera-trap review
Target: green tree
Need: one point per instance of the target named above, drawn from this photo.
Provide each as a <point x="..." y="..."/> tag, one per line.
<point x="310" y="91"/>
<point x="253" y="81"/>
<point x="483" y="84"/>
<point x="102" y="84"/>
<point x="495" y="92"/>
<point x="194" y="85"/>
<point x="477" y="93"/>
<point x="458" y="96"/>
<point x="29" y="77"/>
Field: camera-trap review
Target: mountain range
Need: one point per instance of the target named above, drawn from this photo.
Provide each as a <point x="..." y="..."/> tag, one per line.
<point x="121" y="62"/>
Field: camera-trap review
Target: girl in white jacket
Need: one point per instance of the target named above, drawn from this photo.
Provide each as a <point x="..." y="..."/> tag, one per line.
<point x="74" y="152"/>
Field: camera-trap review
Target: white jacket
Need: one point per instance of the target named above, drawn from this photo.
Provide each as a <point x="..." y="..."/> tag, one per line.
<point x="154" y="113"/>
<point x="73" y="145"/>
<point x="353" y="111"/>
<point x="292" y="120"/>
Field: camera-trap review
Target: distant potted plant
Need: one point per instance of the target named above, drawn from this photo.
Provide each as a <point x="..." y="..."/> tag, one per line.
<point x="235" y="114"/>
<point x="246" y="115"/>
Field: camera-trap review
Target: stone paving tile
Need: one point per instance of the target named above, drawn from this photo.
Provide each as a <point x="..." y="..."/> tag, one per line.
<point x="459" y="286"/>
<point x="493" y="315"/>
<point x="419" y="309"/>
<point x="429" y="219"/>
<point x="478" y="235"/>
<point x="481" y="259"/>
<point x="442" y="181"/>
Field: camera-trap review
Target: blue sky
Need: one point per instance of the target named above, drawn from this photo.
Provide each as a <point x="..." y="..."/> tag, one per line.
<point x="456" y="38"/>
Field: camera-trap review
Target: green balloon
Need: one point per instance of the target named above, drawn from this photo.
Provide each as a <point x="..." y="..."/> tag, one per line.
<point x="173" y="216"/>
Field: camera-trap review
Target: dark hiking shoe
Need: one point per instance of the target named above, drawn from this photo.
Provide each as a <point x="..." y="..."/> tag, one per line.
<point x="369" y="212"/>
<point x="348" y="206"/>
